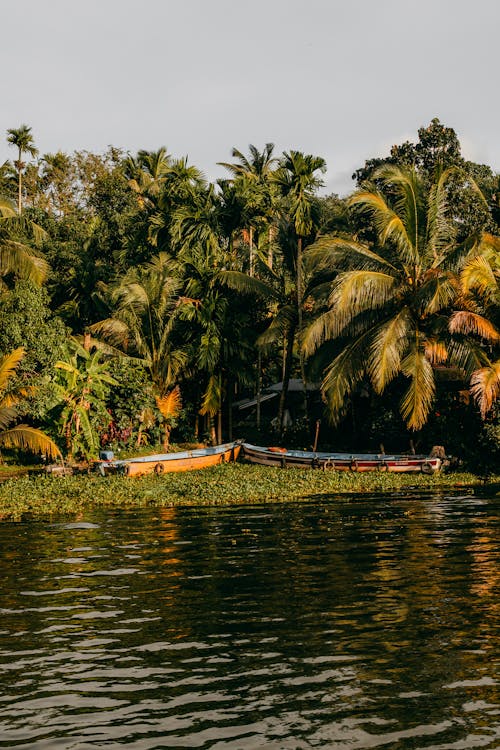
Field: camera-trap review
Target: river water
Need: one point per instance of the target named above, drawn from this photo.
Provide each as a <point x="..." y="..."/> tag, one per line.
<point x="371" y="623"/>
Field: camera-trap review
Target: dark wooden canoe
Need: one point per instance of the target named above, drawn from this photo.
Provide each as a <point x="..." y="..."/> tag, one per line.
<point x="340" y="461"/>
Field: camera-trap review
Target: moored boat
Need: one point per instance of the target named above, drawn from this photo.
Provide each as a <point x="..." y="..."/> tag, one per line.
<point x="161" y="463"/>
<point x="340" y="461"/>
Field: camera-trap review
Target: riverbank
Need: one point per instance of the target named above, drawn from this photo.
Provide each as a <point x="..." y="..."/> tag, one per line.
<point x="41" y="497"/>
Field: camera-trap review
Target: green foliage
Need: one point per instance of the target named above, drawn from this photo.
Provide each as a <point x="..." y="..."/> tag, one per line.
<point x="26" y="321"/>
<point x="227" y="484"/>
<point x="188" y="278"/>
<point x="389" y="302"/>
<point x="16" y="436"/>
<point x="81" y="387"/>
<point x="129" y="403"/>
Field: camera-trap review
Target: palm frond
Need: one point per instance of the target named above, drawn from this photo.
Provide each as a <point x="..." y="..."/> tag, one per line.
<point x="325" y="326"/>
<point x="435" y="351"/>
<point x="344" y="373"/>
<point x="389" y="225"/>
<point x="7" y="413"/>
<point x="242" y="282"/>
<point x="463" y="321"/>
<point x="437" y="292"/>
<point x="440" y="230"/>
<point x="22" y="260"/>
<point x="212" y="397"/>
<point x="8" y="366"/>
<point x="7" y="209"/>
<point x="417" y="401"/>
<point x="355" y="291"/>
<point x="170" y="405"/>
<point x="485" y="386"/>
<point x="339" y="253"/>
<point x="478" y="275"/>
<point x="387" y="349"/>
<point x="279" y="327"/>
<point x="29" y="439"/>
<point x="114" y="331"/>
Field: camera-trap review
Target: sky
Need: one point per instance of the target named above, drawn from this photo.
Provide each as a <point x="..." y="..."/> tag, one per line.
<point x="341" y="79"/>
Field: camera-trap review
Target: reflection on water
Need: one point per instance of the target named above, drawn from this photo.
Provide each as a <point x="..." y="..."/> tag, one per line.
<point x="368" y="624"/>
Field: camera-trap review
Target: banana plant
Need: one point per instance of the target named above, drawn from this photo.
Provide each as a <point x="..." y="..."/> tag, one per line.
<point x="81" y="388"/>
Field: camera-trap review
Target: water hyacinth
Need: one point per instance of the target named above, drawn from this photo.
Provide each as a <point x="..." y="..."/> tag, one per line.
<point x="46" y="496"/>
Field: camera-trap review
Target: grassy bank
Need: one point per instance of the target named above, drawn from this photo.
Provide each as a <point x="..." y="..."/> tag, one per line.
<point x="45" y="496"/>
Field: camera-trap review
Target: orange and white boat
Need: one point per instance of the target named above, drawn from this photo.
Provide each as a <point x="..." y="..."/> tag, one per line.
<point x="161" y="463"/>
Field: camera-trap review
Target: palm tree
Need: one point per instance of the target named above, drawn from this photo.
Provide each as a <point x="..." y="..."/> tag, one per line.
<point x="298" y="181"/>
<point x="22" y="139"/>
<point x="81" y="388"/>
<point x="179" y="188"/>
<point x="147" y="174"/>
<point x="276" y="286"/>
<point x="146" y="302"/>
<point x="389" y="305"/>
<point x="252" y="176"/>
<point x="19" y="435"/>
<point x="219" y="350"/>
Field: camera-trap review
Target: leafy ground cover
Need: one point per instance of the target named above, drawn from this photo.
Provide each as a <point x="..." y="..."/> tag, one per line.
<point x="41" y="497"/>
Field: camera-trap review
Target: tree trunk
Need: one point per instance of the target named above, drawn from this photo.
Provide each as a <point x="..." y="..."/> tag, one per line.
<point x="213" y="434"/>
<point x="286" y="378"/>
<point x="259" y="385"/>
<point x="230" y="411"/>
<point x="219" y="426"/>
<point x="299" y="318"/>
<point x="166" y="437"/>
<point x="19" y="183"/>
<point x="251" y="250"/>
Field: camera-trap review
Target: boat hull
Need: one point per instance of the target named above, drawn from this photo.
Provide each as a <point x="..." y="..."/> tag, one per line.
<point x="200" y="458"/>
<point x="339" y="461"/>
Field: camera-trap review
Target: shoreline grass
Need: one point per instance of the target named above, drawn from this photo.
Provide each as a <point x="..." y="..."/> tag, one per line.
<point x="42" y="497"/>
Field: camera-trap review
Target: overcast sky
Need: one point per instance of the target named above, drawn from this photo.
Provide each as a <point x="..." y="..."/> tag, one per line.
<point x="342" y="79"/>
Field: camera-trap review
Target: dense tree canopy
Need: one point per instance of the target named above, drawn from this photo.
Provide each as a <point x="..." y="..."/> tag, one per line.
<point x="184" y="296"/>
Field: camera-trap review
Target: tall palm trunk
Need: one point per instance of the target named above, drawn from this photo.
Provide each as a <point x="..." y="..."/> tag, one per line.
<point x="259" y="387"/>
<point x="286" y="377"/>
<point x="299" y="318"/>
<point x="19" y="182"/>
<point x="219" y="426"/>
<point x="250" y="233"/>
<point x="270" y="249"/>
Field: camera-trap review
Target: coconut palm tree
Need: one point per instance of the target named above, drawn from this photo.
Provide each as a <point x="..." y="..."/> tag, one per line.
<point x="388" y="306"/>
<point x="13" y="435"/>
<point x="146" y="302"/>
<point x="22" y="139"/>
<point x="216" y="331"/>
<point x="252" y="176"/>
<point x="298" y="180"/>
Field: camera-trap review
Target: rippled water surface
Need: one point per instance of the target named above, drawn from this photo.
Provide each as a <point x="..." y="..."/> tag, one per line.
<point x="372" y="623"/>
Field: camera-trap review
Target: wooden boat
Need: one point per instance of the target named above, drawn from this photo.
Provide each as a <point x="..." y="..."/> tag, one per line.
<point x="161" y="463"/>
<point x="340" y="461"/>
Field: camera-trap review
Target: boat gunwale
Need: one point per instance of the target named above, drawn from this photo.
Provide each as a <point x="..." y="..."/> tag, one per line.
<point x="325" y="456"/>
<point x="214" y="450"/>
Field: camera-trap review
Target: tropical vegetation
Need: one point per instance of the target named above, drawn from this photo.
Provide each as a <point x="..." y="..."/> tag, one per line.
<point x="141" y="304"/>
